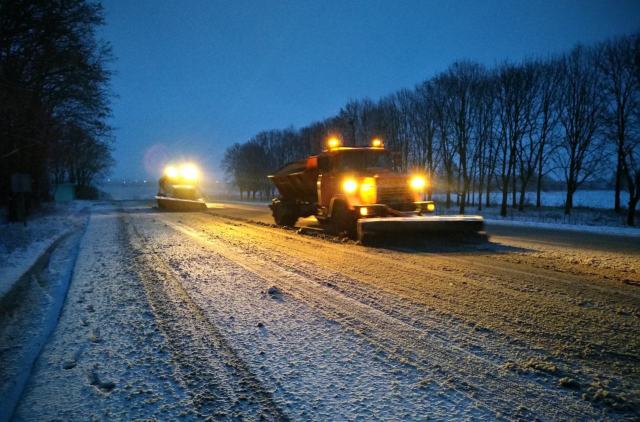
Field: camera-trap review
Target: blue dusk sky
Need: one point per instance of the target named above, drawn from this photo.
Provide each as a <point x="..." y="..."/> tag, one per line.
<point x="194" y="76"/>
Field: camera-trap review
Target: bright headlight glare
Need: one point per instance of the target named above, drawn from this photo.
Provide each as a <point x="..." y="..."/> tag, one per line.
<point x="171" y="171"/>
<point x="189" y="172"/>
<point x="368" y="192"/>
<point x="431" y="207"/>
<point x="418" y="182"/>
<point x="349" y="186"/>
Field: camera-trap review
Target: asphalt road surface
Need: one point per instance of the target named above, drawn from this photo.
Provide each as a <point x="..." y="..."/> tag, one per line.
<point x="219" y="314"/>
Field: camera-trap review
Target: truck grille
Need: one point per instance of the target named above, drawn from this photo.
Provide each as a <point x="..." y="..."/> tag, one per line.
<point x="397" y="197"/>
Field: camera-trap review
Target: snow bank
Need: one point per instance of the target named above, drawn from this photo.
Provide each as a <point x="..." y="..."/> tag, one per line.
<point x="30" y="316"/>
<point x="21" y="245"/>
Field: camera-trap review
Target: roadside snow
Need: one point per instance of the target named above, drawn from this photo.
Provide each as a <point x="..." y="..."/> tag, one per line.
<point x="29" y="315"/>
<point x="617" y="231"/>
<point x="21" y="245"/>
<point x="106" y="359"/>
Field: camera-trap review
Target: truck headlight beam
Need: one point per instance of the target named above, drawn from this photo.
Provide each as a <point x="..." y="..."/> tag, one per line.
<point x="349" y="186"/>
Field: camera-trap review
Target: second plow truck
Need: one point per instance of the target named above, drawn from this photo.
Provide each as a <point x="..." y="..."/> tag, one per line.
<point x="354" y="190"/>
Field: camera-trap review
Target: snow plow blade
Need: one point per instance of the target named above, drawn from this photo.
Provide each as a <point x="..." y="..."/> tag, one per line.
<point x="370" y="229"/>
<point x="183" y="205"/>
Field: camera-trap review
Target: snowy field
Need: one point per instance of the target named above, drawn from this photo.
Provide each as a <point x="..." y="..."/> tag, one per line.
<point x="582" y="198"/>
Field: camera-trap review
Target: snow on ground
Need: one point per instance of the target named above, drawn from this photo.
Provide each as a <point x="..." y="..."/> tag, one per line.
<point x="176" y="315"/>
<point x="21" y="245"/>
<point x="315" y="368"/>
<point x="106" y="359"/>
<point x="28" y="316"/>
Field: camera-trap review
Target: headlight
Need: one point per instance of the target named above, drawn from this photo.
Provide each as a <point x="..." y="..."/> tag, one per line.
<point x="189" y="172"/>
<point x="431" y="207"/>
<point x="171" y="171"/>
<point x="349" y="186"/>
<point x="368" y="193"/>
<point x="418" y="183"/>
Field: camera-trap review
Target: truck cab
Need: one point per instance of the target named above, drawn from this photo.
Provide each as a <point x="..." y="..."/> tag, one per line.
<point x="362" y="181"/>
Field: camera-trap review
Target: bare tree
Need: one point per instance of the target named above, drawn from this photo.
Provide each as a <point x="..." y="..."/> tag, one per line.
<point x="546" y="117"/>
<point x="631" y="152"/>
<point x="462" y="83"/>
<point x="619" y="84"/>
<point x="446" y="143"/>
<point x="423" y="121"/>
<point x="512" y="102"/>
<point x="580" y="111"/>
<point x="484" y="132"/>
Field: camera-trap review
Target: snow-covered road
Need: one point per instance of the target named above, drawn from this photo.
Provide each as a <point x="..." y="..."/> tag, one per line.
<point x="204" y="314"/>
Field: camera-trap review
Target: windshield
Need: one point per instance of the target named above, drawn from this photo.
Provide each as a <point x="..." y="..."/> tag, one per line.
<point x="364" y="160"/>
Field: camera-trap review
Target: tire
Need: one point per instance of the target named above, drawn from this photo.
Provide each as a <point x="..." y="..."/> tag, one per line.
<point x="284" y="214"/>
<point x="343" y="220"/>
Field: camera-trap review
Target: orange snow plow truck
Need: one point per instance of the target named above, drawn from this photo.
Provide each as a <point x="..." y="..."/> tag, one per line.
<point x="354" y="191"/>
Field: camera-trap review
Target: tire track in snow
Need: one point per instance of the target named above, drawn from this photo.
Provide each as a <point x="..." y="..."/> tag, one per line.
<point x="564" y="304"/>
<point x="498" y="299"/>
<point x="424" y="351"/>
<point x="586" y="341"/>
<point x="221" y="384"/>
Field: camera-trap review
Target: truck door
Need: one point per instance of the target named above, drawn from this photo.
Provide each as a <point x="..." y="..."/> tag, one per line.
<point x="325" y="182"/>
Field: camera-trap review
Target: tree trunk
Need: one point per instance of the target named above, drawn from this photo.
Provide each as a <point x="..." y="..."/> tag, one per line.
<point x="631" y="212"/>
<point x="568" y="205"/>
<point x="521" y="200"/>
<point x="505" y="198"/>
<point x="513" y="187"/>
<point x="618" y="187"/>
<point x="480" y="188"/>
<point x="488" y="193"/>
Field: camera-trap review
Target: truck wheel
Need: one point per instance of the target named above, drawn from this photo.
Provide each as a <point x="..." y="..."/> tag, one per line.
<point x="343" y="220"/>
<point x="283" y="214"/>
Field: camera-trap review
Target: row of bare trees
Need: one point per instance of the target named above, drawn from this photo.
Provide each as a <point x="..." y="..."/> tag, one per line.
<point x="479" y="131"/>
<point x="54" y="98"/>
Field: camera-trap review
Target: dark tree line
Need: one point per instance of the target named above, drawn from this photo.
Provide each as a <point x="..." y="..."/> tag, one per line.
<point x="478" y="131"/>
<point x="54" y="94"/>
